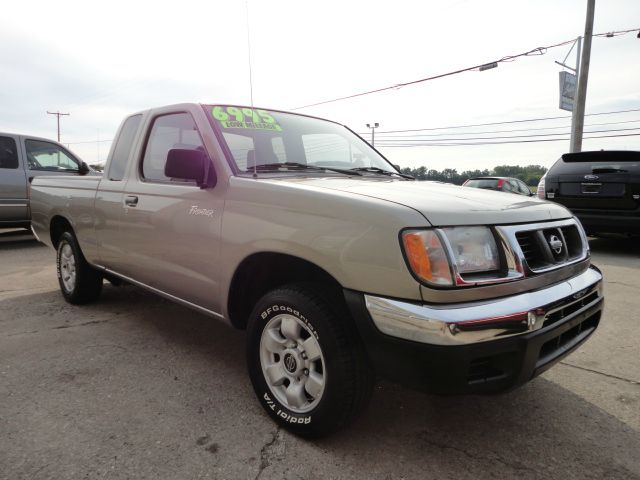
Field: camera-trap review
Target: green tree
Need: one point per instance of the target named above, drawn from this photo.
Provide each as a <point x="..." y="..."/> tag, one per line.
<point x="530" y="174"/>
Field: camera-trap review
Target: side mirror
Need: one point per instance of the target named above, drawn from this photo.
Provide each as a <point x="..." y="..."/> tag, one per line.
<point x="83" y="169"/>
<point x="190" y="165"/>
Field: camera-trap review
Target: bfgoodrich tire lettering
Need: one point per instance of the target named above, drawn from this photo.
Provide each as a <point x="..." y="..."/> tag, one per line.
<point x="79" y="282"/>
<point x="306" y="363"/>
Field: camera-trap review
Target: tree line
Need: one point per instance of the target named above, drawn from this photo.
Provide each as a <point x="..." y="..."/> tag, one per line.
<point x="530" y="174"/>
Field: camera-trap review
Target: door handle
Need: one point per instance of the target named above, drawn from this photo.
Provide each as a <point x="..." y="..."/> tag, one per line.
<point x="131" y="200"/>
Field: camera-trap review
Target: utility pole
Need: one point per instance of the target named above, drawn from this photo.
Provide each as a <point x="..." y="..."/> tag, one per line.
<point x="373" y="132"/>
<point x="577" y="117"/>
<point x="58" y="115"/>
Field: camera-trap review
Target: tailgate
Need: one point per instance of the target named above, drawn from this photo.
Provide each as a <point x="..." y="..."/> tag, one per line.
<point x="605" y="180"/>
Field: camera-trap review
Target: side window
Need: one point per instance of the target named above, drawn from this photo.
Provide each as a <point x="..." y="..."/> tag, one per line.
<point x="8" y="153"/>
<point x="515" y="187"/>
<point x="122" y="148"/>
<point x="175" y="130"/>
<point x="524" y="188"/>
<point x="507" y="187"/>
<point x="240" y="146"/>
<point x="50" y="157"/>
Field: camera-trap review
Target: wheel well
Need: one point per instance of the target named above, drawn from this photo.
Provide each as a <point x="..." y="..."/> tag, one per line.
<point x="59" y="225"/>
<point x="263" y="272"/>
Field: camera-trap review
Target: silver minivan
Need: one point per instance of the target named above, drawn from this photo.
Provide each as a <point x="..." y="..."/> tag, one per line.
<point x="22" y="158"/>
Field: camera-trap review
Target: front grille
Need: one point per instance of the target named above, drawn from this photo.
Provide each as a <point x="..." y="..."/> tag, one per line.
<point x="531" y="250"/>
<point x="569" y="309"/>
<point x="568" y="340"/>
<point x="547" y="248"/>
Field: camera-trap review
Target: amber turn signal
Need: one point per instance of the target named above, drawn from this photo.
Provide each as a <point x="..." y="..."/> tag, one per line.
<point x="426" y="256"/>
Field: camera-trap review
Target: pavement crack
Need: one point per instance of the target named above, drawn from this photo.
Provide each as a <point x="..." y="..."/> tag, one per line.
<point x="630" y="285"/>
<point x="628" y="380"/>
<point x="265" y="452"/>
<point x="107" y="345"/>
<point x="39" y="470"/>
<point x="489" y="455"/>
<point x="92" y="322"/>
<point x="22" y="333"/>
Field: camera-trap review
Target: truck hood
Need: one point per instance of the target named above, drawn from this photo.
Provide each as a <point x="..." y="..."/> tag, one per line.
<point x="444" y="204"/>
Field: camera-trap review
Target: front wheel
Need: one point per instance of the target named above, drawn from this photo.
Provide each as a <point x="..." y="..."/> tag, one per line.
<point x="306" y="363"/>
<point x="79" y="282"/>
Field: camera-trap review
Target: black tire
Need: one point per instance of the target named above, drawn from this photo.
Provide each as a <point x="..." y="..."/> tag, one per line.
<point x="345" y="370"/>
<point x="87" y="283"/>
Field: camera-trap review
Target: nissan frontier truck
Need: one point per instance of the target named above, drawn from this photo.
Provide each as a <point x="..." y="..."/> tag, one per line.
<point x="340" y="268"/>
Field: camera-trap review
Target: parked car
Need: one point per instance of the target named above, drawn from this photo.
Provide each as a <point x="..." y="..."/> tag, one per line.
<point x="337" y="265"/>
<point x="22" y="158"/>
<point x="601" y="188"/>
<point x="501" y="184"/>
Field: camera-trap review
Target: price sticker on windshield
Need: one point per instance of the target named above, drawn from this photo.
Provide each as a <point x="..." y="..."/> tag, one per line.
<point x="238" y="117"/>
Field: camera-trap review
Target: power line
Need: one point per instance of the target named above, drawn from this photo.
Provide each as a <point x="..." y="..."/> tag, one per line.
<point x="526" y="120"/>
<point x="508" y="58"/>
<point x="88" y="141"/>
<point x="501" y="143"/>
<point x="502" y="137"/>
<point x="393" y="136"/>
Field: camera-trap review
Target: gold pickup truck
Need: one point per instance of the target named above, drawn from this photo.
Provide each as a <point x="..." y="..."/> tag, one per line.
<point x="339" y="267"/>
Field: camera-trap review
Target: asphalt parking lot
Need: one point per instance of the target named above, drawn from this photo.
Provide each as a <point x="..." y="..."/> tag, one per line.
<point x="136" y="387"/>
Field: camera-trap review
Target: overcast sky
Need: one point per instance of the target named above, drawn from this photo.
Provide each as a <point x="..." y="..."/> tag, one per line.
<point x="102" y="61"/>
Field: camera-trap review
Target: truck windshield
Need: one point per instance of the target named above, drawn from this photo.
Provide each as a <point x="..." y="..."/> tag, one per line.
<point x="258" y="137"/>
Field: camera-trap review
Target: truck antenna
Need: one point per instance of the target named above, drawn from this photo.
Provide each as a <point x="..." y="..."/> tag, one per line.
<point x="246" y="6"/>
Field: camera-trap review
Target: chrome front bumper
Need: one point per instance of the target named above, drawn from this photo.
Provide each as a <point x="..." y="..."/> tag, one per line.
<point x="466" y="323"/>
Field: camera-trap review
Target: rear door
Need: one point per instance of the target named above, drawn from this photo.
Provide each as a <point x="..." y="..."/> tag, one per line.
<point x="13" y="183"/>
<point x="607" y="180"/>
<point x="109" y="203"/>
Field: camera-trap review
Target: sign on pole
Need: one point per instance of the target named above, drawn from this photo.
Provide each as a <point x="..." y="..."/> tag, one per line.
<point x="567" y="90"/>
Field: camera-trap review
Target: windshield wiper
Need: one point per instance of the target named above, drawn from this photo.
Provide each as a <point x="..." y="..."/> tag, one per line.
<point x="382" y="172"/>
<point x="301" y="166"/>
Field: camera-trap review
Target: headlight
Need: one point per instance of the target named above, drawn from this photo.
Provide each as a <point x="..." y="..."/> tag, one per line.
<point x="474" y="249"/>
<point x="433" y="254"/>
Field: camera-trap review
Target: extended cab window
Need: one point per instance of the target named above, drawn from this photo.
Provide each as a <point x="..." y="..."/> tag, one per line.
<point x="122" y="148"/>
<point x="175" y="130"/>
<point x="8" y="153"/>
<point x="50" y="157"/>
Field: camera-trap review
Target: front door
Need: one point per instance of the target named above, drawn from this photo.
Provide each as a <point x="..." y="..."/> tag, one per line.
<point x="170" y="228"/>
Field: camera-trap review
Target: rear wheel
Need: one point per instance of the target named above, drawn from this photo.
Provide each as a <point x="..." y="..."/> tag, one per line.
<point x="306" y="362"/>
<point x="79" y="282"/>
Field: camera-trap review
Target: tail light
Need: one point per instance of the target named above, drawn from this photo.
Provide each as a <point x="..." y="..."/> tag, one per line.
<point x="541" y="189"/>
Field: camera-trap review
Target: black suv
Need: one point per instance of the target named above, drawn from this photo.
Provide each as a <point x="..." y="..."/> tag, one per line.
<point x="601" y="188"/>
